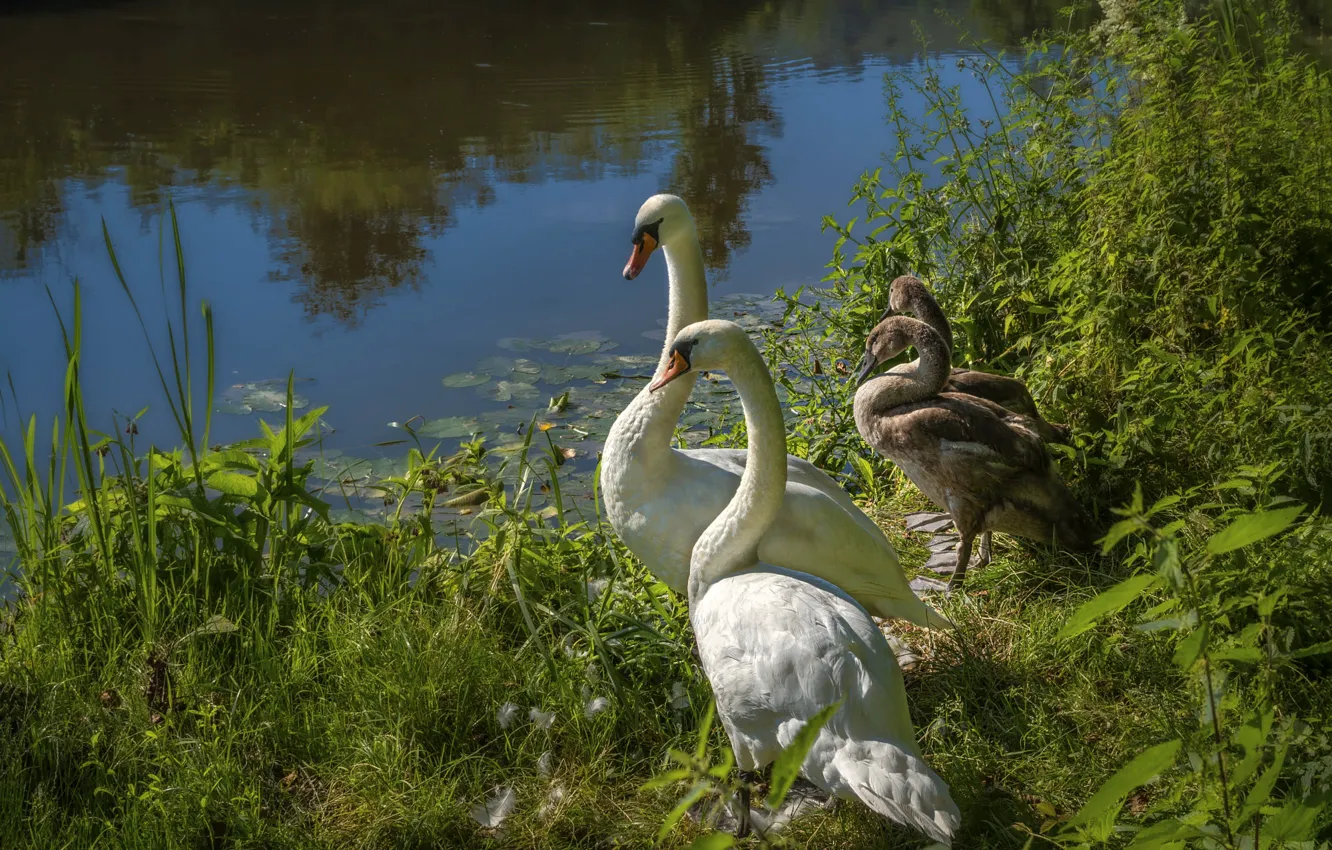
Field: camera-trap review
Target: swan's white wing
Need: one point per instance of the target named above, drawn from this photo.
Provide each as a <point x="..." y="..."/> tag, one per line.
<point x="778" y="647"/>
<point x="820" y="531"/>
<point x="798" y="471"/>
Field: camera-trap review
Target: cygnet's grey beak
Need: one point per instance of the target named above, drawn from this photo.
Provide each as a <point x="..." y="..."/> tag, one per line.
<point x="867" y="364"/>
<point x="887" y="313"/>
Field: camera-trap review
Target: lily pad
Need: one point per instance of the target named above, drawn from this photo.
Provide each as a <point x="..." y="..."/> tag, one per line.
<point x="466" y="379"/>
<point x="508" y="418"/>
<point x="510" y="390"/>
<point x="271" y="401"/>
<point x="514" y="343"/>
<point x="451" y="427"/>
<point x="523" y="366"/>
<point x="575" y="346"/>
<point x="233" y="407"/>
<point x="575" y="372"/>
<point x="262" y="396"/>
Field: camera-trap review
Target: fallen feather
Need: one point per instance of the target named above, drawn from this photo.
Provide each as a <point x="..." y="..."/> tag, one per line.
<point x="542" y="719"/>
<point x="595" y="707"/>
<point x="553" y="799"/>
<point x="496" y="808"/>
<point x="507" y="715"/>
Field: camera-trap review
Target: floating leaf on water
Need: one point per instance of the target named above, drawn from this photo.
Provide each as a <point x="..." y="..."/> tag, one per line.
<point x="523" y="366"/>
<point x="506" y="419"/>
<point x="271" y="400"/>
<point x="466" y="379"/>
<point x="575" y="346"/>
<point x="514" y="343"/>
<point x="495" y="365"/>
<point x="573" y="372"/>
<point x="699" y="417"/>
<point x="659" y="335"/>
<point x="232" y="407"/>
<point x="509" y="390"/>
<point x="450" y="427"/>
<point x="628" y="362"/>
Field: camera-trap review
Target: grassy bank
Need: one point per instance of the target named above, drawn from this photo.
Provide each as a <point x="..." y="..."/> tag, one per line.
<point x="203" y="657"/>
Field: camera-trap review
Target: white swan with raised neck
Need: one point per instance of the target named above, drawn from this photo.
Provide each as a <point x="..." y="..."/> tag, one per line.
<point x="659" y="499"/>
<point x="780" y="645"/>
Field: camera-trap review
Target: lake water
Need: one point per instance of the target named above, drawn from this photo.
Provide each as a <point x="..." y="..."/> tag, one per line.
<point x="374" y="195"/>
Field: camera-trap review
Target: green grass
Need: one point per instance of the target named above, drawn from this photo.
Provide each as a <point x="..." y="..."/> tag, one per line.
<point x="203" y="657"/>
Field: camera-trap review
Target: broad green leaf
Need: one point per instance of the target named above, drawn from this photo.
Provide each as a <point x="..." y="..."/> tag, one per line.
<point x="1244" y="654"/>
<point x="1108" y="602"/>
<point x="1261" y="793"/>
<point x="713" y="841"/>
<point x="705" y="729"/>
<point x="1188" y="649"/>
<point x="1295" y="821"/>
<point x="1251" y="528"/>
<point x="234" y="484"/>
<point x="1315" y="649"/>
<point x="1139" y="771"/>
<point x="681" y="807"/>
<point x="670" y="777"/>
<point x="1166" y="834"/>
<point x="1118" y="532"/>
<point x="786" y="767"/>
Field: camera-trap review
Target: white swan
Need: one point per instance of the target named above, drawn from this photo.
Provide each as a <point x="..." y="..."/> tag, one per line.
<point x="660" y="499"/>
<point x="779" y="645"/>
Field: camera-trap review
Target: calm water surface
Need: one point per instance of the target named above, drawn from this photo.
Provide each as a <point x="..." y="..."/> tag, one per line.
<point x="374" y="195"/>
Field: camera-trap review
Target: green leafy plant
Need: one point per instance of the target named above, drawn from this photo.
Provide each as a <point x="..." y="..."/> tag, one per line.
<point x="1224" y="607"/>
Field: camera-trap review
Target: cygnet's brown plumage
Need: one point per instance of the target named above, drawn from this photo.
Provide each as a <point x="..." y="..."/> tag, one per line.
<point x="908" y="294"/>
<point x="985" y="465"/>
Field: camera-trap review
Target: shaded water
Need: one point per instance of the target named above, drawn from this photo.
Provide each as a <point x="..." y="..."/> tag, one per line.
<point x="374" y="195"/>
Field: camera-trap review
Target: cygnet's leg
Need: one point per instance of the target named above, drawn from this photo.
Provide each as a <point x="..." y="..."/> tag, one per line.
<point x="963" y="559"/>
<point x="984" y="559"/>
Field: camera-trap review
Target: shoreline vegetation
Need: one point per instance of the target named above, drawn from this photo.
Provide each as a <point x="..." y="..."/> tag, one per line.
<point x="1141" y="229"/>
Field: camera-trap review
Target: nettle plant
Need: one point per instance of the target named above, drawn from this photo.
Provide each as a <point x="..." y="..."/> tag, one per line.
<point x="1239" y="774"/>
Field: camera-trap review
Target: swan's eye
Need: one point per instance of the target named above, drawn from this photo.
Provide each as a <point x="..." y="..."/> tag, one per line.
<point x="651" y="229"/>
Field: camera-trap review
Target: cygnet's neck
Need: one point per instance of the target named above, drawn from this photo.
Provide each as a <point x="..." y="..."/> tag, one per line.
<point x="897" y="388"/>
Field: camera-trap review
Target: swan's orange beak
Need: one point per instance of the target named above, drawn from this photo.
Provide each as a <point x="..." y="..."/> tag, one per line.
<point x="643" y="249"/>
<point x="675" y="367"/>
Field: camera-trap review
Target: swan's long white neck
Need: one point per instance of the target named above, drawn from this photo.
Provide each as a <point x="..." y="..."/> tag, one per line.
<point x="731" y="542"/>
<point x="643" y="430"/>
<point x="688" y="295"/>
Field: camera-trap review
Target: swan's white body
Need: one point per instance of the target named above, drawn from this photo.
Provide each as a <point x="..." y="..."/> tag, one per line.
<point x="779" y="646"/>
<point x="660" y="499"/>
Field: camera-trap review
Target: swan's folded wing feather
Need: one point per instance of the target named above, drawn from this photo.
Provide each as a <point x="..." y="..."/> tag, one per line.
<point x="793" y="645"/>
